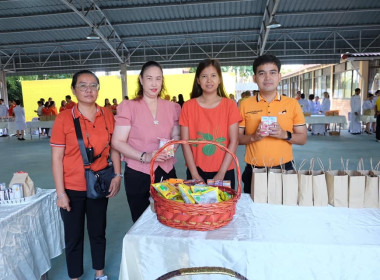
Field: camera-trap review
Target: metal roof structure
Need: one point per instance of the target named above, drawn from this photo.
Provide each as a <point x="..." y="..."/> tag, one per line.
<point x="49" y="36"/>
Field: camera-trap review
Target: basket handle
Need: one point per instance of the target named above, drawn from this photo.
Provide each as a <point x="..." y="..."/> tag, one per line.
<point x="202" y="270"/>
<point x="198" y="142"/>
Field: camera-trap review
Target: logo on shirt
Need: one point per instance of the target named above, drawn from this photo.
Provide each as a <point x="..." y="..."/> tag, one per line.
<point x="282" y="112"/>
<point x="209" y="149"/>
<point x="254" y="112"/>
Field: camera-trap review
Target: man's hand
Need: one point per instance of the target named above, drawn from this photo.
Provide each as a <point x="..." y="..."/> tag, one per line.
<point x="276" y="131"/>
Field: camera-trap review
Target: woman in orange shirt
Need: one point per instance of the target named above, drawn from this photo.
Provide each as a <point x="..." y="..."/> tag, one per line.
<point x="53" y="109"/>
<point x="63" y="106"/>
<point x="209" y="115"/>
<point x="114" y="106"/>
<point x="45" y="110"/>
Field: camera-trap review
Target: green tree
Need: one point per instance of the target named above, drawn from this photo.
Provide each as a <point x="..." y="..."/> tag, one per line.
<point x="14" y="88"/>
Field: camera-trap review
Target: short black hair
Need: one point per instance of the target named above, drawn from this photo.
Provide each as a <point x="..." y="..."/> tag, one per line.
<point x="264" y="59"/>
<point x="77" y="74"/>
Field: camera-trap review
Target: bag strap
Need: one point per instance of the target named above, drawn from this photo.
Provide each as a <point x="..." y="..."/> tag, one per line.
<point x="82" y="149"/>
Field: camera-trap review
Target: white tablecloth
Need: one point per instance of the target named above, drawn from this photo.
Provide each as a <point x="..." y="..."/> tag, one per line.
<point x="366" y="119"/>
<point x="262" y="242"/>
<point x="321" y="119"/>
<point x="30" y="235"/>
<point x="38" y="125"/>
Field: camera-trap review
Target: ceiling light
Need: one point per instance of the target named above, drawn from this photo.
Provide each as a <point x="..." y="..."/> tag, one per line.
<point x="93" y="35"/>
<point x="273" y="23"/>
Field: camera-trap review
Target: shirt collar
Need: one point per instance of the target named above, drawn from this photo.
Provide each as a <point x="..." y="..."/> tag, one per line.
<point x="259" y="98"/>
<point x="76" y="113"/>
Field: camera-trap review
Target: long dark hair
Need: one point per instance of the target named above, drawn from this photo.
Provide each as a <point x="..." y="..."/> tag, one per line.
<point x="197" y="90"/>
<point x="77" y="74"/>
<point x="140" y="90"/>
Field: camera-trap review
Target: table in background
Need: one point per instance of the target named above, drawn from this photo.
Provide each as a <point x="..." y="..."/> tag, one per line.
<point x="30" y="235"/>
<point x="322" y="119"/>
<point x="37" y="125"/>
<point x="367" y="119"/>
<point x="263" y="241"/>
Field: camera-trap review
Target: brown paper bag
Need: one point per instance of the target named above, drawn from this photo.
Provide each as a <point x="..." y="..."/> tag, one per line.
<point x="274" y="186"/>
<point x="259" y="185"/>
<point x="24" y="179"/>
<point x="305" y="186"/>
<point x="356" y="186"/>
<point x="337" y="186"/>
<point x="356" y="189"/>
<point x="289" y="187"/>
<point x="371" y="194"/>
<point x="320" y="197"/>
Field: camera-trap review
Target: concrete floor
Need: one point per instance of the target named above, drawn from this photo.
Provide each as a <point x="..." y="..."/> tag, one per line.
<point x="33" y="156"/>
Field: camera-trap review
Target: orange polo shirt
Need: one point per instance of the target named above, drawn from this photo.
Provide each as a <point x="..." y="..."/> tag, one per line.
<point x="64" y="136"/>
<point x="70" y="105"/>
<point x="270" y="151"/>
<point x="209" y="124"/>
<point x="53" y="111"/>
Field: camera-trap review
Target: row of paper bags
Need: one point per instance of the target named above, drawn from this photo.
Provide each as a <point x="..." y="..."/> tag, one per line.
<point x="341" y="188"/>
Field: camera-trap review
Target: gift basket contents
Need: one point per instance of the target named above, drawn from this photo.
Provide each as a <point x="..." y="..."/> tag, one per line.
<point x="194" y="204"/>
<point x="193" y="191"/>
<point x="358" y="188"/>
<point x="20" y="188"/>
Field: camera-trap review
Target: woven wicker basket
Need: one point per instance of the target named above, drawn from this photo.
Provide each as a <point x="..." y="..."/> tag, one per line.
<point x="195" y="216"/>
<point x="202" y="270"/>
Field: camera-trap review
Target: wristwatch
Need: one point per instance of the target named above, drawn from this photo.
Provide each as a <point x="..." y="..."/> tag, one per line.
<point x="119" y="174"/>
<point x="289" y="135"/>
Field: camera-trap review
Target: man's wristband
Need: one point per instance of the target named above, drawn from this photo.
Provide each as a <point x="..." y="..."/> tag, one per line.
<point x="289" y="134"/>
<point x="119" y="174"/>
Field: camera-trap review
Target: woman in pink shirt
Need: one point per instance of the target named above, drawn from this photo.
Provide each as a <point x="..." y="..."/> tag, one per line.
<point x="140" y="123"/>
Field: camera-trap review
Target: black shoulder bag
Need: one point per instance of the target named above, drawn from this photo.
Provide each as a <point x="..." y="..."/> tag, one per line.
<point x="97" y="183"/>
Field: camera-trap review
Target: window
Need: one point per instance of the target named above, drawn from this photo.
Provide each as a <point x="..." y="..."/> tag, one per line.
<point x="345" y="84"/>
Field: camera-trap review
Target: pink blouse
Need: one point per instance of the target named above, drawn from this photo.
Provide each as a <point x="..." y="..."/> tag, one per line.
<point x="145" y="130"/>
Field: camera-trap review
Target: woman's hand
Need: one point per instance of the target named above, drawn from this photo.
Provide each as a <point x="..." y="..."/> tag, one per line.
<point x="114" y="186"/>
<point x="219" y="176"/>
<point x="160" y="158"/>
<point x="63" y="202"/>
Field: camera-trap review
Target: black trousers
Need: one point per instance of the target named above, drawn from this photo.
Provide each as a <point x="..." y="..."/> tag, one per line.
<point x="230" y="175"/>
<point x="137" y="185"/>
<point x="378" y="127"/>
<point x="246" y="177"/>
<point x="95" y="210"/>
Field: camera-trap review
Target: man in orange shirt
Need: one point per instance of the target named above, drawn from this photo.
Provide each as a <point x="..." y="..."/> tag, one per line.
<point x="69" y="104"/>
<point x="271" y="146"/>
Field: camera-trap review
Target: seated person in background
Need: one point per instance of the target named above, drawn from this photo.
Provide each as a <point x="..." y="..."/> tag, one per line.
<point x="63" y="106"/>
<point x="53" y="109"/>
<point x="69" y="104"/>
<point x="317" y="105"/>
<point x="45" y="110"/>
<point x="304" y="104"/>
<point x="369" y="110"/>
<point x="114" y="106"/>
<point x="107" y="104"/>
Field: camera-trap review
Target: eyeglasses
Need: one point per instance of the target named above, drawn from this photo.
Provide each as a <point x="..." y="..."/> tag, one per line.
<point x="84" y="87"/>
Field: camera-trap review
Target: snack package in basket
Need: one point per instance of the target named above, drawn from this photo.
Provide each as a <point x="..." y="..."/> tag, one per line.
<point x="208" y="196"/>
<point x="186" y="193"/>
<point x="219" y="183"/>
<point x="167" y="190"/>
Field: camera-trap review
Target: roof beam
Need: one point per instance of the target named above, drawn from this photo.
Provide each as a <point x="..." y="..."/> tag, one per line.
<point x="270" y="11"/>
<point x="99" y="19"/>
